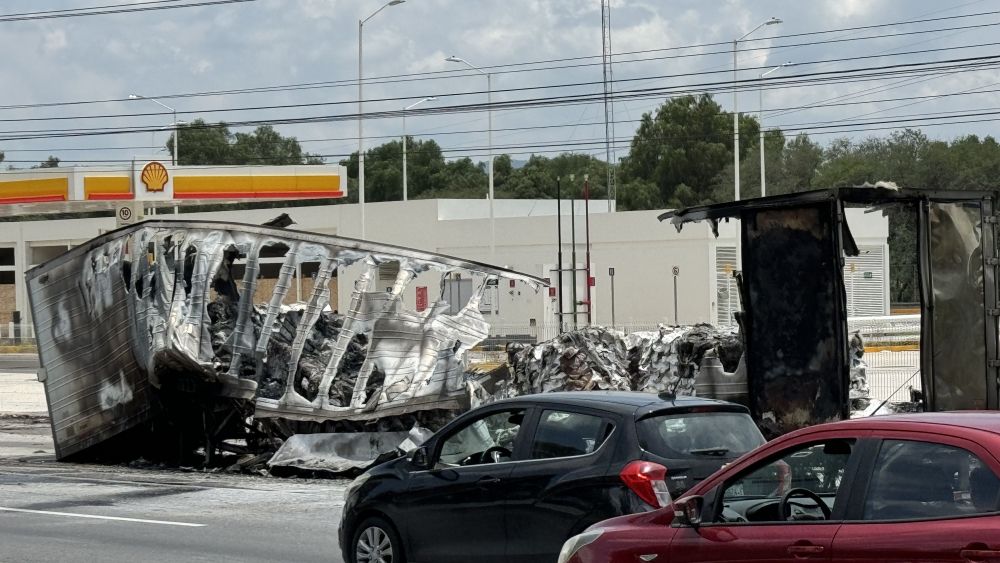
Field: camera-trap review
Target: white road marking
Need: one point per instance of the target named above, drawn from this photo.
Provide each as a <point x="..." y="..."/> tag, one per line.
<point x="95" y="517"/>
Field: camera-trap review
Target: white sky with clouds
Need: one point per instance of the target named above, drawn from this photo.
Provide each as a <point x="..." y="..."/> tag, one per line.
<point x="276" y="42"/>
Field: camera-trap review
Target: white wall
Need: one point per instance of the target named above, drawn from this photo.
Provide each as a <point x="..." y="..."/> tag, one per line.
<point x="640" y="248"/>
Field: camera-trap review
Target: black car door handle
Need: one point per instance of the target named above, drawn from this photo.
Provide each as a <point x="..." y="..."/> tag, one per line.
<point x="485" y="481"/>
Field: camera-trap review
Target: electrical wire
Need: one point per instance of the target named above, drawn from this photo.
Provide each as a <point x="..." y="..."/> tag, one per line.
<point x="826" y="77"/>
<point x="918" y="99"/>
<point x="497" y="69"/>
<point x="117" y="9"/>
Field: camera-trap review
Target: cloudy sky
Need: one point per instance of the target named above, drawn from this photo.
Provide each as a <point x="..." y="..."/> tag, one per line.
<point x="304" y="53"/>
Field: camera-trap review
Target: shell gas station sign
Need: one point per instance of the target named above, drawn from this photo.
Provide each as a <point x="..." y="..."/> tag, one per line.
<point x="155" y="181"/>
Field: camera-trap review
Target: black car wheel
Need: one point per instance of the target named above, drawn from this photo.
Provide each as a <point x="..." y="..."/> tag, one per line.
<point x="376" y="541"/>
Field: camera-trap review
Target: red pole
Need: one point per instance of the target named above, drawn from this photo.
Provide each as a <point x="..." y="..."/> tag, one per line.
<point x="586" y="212"/>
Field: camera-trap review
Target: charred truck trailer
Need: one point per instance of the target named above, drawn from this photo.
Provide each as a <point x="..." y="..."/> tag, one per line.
<point x="149" y="335"/>
<point x="794" y="318"/>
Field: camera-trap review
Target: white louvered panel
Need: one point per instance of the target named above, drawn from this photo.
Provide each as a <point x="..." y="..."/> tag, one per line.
<point x="727" y="295"/>
<point x="864" y="282"/>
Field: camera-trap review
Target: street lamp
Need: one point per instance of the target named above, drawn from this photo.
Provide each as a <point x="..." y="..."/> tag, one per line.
<point x="489" y="103"/>
<point x="736" y="112"/>
<point x="175" y="123"/>
<point x="361" y="137"/>
<point x="407" y="108"/>
<point x="760" y="121"/>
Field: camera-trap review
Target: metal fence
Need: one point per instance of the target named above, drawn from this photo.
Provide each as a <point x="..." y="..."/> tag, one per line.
<point x="892" y="354"/>
<point x="892" y="348"/>
<point x="22" y="334"/>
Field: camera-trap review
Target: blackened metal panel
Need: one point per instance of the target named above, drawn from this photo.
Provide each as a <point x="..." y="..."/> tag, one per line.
<point x="796" y="349"/>
<point x="958" y="352"/>
<point x="94" y="387"/>
<point x="926" y="306"/>
<point x="990" y="295"/>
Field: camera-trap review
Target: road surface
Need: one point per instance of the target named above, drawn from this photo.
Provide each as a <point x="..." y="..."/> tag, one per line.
<point x="18" y="363"/>
<point x="53" y="511"/>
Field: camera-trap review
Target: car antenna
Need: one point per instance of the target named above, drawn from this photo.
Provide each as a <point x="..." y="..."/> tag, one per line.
<point x="671" y="395"/>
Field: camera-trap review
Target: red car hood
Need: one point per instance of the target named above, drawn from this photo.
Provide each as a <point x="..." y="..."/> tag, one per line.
<point x="661" y="517"/>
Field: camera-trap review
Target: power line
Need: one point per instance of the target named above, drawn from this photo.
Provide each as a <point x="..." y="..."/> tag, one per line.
<point x="597" y="143"/>
<point x="781" y="82"/>
<point x="114" y="9"/>
<point x="779" y="111"/>
<point x="90" y="8"/>
<point x="497" y="69"/>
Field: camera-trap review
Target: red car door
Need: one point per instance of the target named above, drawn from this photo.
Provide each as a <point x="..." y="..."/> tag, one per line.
<point x="927" y="497"/>
<point x="786" y="507"/>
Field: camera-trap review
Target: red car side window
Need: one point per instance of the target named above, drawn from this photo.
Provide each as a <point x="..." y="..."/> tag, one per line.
<point x="922" y="480"/>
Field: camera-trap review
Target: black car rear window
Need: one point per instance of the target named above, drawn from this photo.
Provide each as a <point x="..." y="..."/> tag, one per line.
<point x="695" y="435"/>
<point x="566" y="434"/>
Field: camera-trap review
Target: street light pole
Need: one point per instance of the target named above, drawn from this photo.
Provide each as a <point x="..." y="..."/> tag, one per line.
<point x="407" y="108"/>
<point x="760" y="121"/>
<point x="489" y="103"/>
<point x="736" y="111"/>
<point x="361" y="135"/>
<point x="175" y="156"/>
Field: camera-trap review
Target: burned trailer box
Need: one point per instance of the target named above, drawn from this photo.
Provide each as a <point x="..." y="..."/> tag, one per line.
<point x="795" y="308"/>
<point x="795" y="324"/>
<point x="175" y="322"/>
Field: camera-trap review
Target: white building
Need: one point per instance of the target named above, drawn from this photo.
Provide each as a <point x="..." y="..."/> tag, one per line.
<point x="642" y="251"/>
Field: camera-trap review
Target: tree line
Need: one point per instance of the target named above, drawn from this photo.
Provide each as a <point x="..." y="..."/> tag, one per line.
<point x="681" y="155"/>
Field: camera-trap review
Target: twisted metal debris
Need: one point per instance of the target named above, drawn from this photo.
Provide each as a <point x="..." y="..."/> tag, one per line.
<point x="136" y="317"/>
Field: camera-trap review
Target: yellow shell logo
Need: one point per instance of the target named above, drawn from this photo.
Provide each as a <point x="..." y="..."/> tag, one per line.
<point x="154" y="176"/>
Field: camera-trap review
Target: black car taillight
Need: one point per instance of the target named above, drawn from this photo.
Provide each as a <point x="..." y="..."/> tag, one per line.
<point x="649" y="481"/>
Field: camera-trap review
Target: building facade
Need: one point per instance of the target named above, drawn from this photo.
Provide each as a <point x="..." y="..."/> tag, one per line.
<point x="660" y="275"/>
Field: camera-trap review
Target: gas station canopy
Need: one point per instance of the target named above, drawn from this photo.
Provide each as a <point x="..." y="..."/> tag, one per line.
<point x="156" y="184"/>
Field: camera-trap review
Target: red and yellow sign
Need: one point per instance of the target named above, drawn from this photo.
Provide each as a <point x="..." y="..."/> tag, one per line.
<point x="105" y="188"/>
<point x="250" y="186"/>
<point x="36" y="190"/>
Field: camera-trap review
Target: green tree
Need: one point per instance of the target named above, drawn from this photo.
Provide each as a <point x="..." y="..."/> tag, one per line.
<point x="384" y="171"/>
<point x="800" y="159"/>
<point x="266" y="146"/>
<point x="204" y="144"/>
<point x="537" y="178"/>
<point x="687" y="142"/>
<point x="50" y="162"/>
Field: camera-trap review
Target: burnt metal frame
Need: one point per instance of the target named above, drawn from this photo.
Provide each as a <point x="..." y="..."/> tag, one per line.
<point x="350" y="250"/>
<point x="882" y="196"/>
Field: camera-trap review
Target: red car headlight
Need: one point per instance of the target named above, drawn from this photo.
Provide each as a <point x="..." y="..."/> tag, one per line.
<point x="576" y="542"/>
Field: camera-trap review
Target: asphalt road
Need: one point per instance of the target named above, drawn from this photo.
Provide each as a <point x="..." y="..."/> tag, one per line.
<point x="52" y="511"/>
<point x="18" y="363"/>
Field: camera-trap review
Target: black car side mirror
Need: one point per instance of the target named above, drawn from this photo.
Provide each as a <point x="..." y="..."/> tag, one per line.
<point x="687" y="511"/>
<point x="420" y="459"/>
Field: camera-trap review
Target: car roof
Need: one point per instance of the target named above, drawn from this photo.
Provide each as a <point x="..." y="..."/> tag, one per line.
<point x="988" y="421"/>
<point x="622" y="402"/>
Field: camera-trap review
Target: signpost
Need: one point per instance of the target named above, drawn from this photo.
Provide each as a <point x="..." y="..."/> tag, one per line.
<point x="611" y="272"/>
<point x="127" y="213"/>
<point x="676" y="271"/>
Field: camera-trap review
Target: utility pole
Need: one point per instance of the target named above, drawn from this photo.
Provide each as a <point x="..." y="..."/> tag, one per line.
<point x="609" y="106"/>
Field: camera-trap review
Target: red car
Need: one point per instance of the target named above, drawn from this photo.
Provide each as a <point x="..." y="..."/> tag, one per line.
<point x="915" y="487"/>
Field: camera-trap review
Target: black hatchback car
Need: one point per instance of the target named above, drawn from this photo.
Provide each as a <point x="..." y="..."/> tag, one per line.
<point x="511" y="481"/>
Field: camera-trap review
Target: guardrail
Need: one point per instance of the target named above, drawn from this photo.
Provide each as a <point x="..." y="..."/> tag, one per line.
<point x="20" y="334"/>
<point x="892" y="348"/>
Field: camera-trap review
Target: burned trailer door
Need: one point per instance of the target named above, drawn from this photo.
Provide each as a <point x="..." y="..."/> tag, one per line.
<point x="959" y="334"/>
<point x="796" y="343"/>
